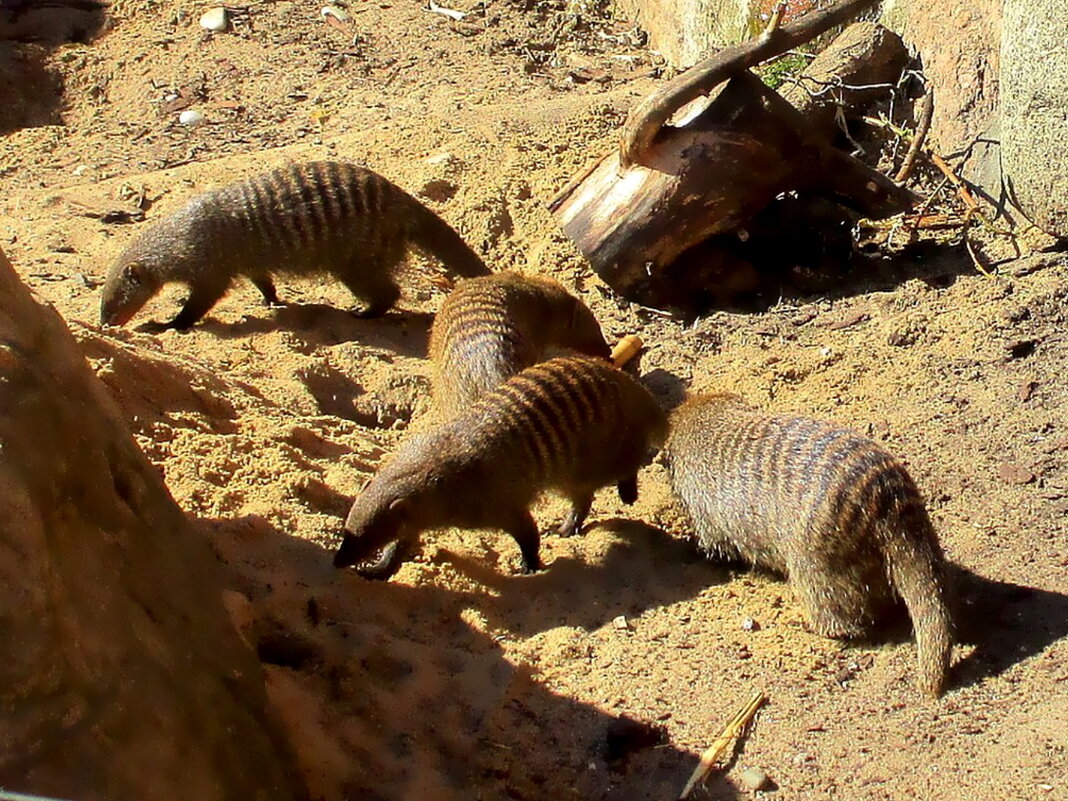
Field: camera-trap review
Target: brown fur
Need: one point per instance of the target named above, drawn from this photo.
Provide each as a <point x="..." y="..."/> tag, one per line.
<point x="831" y="510"/>
<point x="492" y="327"/>
<point x="570" y="424"/>
<point x="315" y="217"/>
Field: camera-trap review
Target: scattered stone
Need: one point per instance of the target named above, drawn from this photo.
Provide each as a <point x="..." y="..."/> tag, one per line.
<point x="754" y="779"/>
<point x="191" y="118"/>
<point x="447" y="160"/>
<point x="215" y="20"/>
<point x="902" y="337"/>
<point x="338" y="13"/>
<point x="177" y="101"/>
<point x="1026" y="390"/>
<point x="748" y="624"/>
<point x="1014" y="473"/>
<point x="848" y="322"/>
<point x="621" y="623"/>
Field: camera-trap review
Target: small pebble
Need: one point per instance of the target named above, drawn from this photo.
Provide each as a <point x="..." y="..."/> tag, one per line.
<point x="748" y="624"/>
<point x="754" y="779"/>
<point x="214" y="19"/>
<point x="621" y="623"/>
<point x="1014" y="473"/>
<point x="340" y="14"/>
<point x="191" y="118"/>
<point x="443" y="160"/>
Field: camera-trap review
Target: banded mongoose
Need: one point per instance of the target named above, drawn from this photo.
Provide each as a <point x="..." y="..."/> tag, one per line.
<point x="571" y="424"/>
<point x="831" y="510"/>
<point x="315" y="217"/>
<point x="492" y="327"/>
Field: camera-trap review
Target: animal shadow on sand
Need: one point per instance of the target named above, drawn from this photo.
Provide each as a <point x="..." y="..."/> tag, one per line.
<point x="29" y="29"/>
<point x="1007" y="623"/>
<point x="416" y="702"/>
<point x="642" y="568"/>
<point x="317" y="324"/>
<point x="803" y="251"/>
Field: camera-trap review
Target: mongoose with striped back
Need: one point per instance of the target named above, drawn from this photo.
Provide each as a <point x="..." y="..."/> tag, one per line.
<point x="490" y="328"/>
<point x="303" y="219"/>
<point x="829" y="509"/>
<point x="571" y="424"/>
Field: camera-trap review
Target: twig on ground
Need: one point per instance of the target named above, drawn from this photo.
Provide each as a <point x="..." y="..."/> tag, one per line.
<point x="973" y="210"/>
<point x="776" y="19"/>
<point x="712" y="754"/>
<point x="923" y="125"/>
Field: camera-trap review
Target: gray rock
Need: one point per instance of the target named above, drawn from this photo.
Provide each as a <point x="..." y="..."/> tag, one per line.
<point x="754" y="779"/>
<point x="1034" y="111"/>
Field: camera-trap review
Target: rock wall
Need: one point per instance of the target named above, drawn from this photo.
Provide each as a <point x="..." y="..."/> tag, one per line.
<point x="686" y="31"/>
<point x="958" y="44"/>
<point x="122" y="676"/>
<point x="1034" y="111"/>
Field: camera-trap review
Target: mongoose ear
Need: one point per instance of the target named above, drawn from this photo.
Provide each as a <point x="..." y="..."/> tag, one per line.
<point x="135" y="273"/>
<point x="399" y="507"/>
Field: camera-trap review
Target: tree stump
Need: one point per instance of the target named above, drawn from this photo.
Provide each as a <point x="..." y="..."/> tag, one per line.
<point x="672" y="187"/>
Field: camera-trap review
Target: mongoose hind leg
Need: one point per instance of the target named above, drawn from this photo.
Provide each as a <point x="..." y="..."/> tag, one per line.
<point x="525" y="532"/>
<point x="200" y="300"/>
<point x="835" y="606"/>
<point x="580" y="507"/>
<point x="378" y="293"/>
<point x="266" y="287"/>
<point x="628" y="489"/>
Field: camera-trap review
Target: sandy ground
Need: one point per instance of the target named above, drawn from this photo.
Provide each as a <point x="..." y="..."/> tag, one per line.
<point x="460" y="679"/>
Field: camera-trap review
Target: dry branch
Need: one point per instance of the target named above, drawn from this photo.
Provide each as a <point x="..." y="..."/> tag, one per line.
<point x="712" y="754"/>
<point x="923" y="125"/>
<point x="648" y="117"/>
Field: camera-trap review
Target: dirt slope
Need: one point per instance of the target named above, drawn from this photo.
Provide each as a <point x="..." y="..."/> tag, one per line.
<point x="460" y="679"/>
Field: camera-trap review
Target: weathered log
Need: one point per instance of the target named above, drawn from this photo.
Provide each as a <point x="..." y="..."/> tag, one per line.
<point x="708" y="177"/>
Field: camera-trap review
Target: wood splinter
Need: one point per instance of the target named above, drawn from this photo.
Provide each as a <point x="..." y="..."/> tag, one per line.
<point x="626" y="349"/>
<point x="712" y="754"/>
